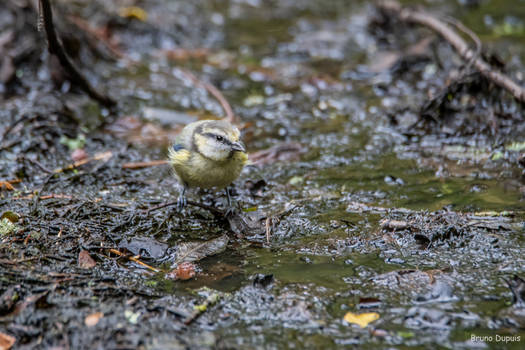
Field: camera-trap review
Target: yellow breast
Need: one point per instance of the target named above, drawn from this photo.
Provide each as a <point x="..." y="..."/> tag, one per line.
<point x="196" y="171"/>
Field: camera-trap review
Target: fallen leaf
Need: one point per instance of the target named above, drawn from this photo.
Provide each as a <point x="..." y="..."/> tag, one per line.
<point x="85" y="261"/>
<point x="79" y="154"/>
<point x="134" y="12"/>
<point x="194" y="251"/>
<point x="6" y="341"/>
<point x="92" y="320"/>
<point x="361" y="319"/>
<point x="183" y="271"/>
<point x="146" y="247"/>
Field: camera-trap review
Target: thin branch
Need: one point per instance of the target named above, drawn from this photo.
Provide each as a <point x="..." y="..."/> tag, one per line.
<point x="55" y="47"/>
<point x="462" y="48"/>
<point x="134" y="259"/>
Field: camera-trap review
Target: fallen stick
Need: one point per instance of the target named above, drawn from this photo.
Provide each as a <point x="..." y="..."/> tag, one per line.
<point x="408" y="15"/>
<point x="134" y="259"/>
<point x="99" y="156"/>
<point x="55" y="47"/>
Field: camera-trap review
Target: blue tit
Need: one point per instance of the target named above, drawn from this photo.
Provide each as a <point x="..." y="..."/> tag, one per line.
<point x="207" y="154"/>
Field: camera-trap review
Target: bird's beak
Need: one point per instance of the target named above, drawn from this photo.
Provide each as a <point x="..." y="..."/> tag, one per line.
<point x="238" y="146"/>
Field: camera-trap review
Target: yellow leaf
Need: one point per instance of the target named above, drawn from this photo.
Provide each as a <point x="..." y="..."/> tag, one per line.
<point x="361" y="319"/>
<point x="133" y="12"/>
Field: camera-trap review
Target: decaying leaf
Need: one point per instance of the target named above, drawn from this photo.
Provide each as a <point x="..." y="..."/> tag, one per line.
<point x="183" y="271"/>
<point x="195" y="251"/>
<point x="361" y="319"/>
<point x="248" y="224"/>
<point x="146" y="247"/>
<point x="6" y="341"/>
<point x="85" y="261"/>
<point x="79" y="154"/>
<point x="92" y="320"/>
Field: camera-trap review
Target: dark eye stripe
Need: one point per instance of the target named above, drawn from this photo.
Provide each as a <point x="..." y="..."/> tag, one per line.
<point x="219" y="138"/>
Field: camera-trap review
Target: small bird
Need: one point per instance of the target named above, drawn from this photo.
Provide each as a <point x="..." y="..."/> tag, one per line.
<point x="207" y="154"/>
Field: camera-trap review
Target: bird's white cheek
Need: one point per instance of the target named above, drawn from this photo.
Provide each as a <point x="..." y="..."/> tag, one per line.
<point x="214" y="152"/>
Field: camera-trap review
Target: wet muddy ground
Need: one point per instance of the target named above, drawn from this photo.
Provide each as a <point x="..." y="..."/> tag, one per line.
<point x="363" y="196"/>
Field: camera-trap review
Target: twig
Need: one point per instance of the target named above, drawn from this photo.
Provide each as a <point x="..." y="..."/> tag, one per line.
<point x="55" y="47"/>
<point x="12" y="126"/>
<point x="230" y="117"/>
<point x="419" y="17"/>
<point x="139" y="165"/>
<point x="472" y="36"/>
<point x="8" y="184"/>
<point x="37" y="163"/>
<point x="134" y="259"/>
<point x="99" y="156"/>
<point x="100" y="36"/>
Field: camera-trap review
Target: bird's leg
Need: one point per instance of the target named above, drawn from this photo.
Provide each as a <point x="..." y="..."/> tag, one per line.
<point x="228" y="196"/>
<point x="181" y="201"/>
<point x="230" y="210"/>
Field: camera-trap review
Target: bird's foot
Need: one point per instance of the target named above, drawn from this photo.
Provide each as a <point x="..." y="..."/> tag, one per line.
<point x="231" y="212"/>
<point x="181" y="202"/>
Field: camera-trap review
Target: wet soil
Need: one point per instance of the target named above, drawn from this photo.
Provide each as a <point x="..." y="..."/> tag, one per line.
<point x="363" y="196"/>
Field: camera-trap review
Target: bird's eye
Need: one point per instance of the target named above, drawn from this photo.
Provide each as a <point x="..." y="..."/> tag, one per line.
<point x="219" y="138"/>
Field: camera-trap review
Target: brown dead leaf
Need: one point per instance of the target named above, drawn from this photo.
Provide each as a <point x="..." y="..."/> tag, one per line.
<point x="79" y="154"/>
<point x="6" y="341"/>
<point x="85" y="261"/>
<point x="92" y="320"/>
<point x="183" y="271"/>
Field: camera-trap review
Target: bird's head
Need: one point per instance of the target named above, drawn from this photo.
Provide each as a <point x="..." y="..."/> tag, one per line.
<point x="217" y="140"/>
